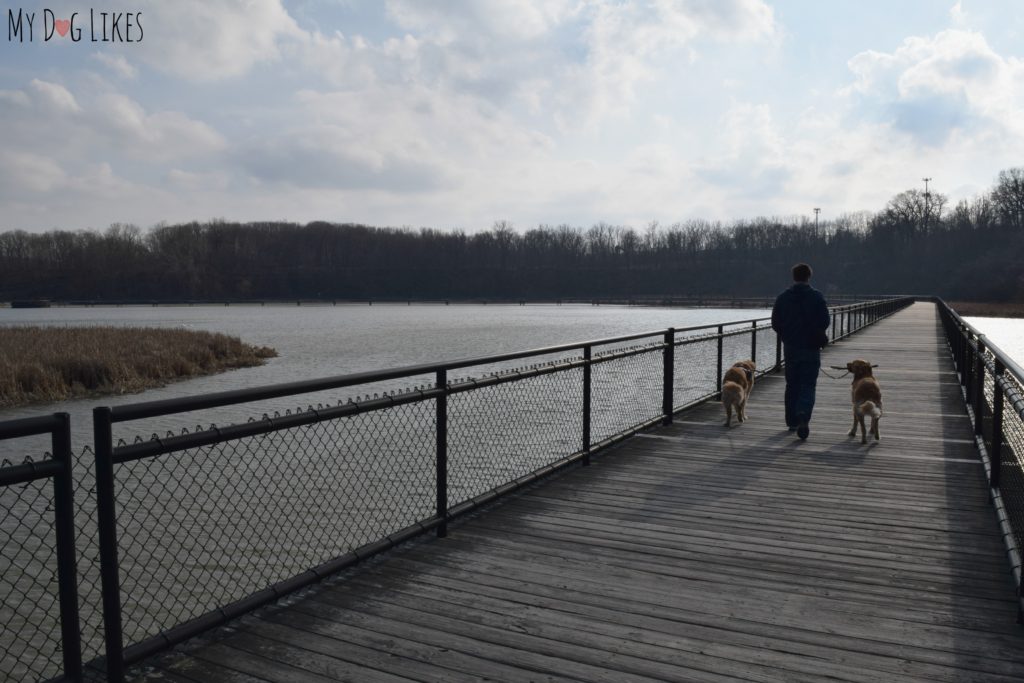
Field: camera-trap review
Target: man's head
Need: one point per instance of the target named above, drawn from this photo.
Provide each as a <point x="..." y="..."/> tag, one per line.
<point x="801" y="273"/>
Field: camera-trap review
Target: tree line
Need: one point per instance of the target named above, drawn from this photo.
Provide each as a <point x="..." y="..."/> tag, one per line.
<point x="916" y="244"/>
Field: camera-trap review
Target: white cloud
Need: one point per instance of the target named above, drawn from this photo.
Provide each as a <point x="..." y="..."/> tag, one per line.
<point x="117" y="64"/>
<point x="931" y="88"/>
<point x="24" y="172"/>
<point x="62" y="149"/>
<point x="390" y="138"/>
<point x="156" y="136"/>
<point x="957" y="14"/>
<point x="191" y="181"/>
<point x="631" y="45"/>
<point x="53" y="97"/>
<point x="568" y="62"/>
<point x="209" y="41"/>
<point x="16" y="98"/>
<point x="448" y="21"/>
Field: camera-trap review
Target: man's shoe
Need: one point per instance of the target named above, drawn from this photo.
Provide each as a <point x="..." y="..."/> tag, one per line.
<point x="802" y="430"/>
<point x="793" y="428"/>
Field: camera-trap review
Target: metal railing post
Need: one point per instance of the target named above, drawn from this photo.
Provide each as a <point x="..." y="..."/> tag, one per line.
<point x="718" y="374"/>
<point x="106" y="521"/>
<point x="778" y="352"/>
<point x="442" y="454"/>
<point x="67" y="571"/>
<point x="962" y="334"/>
<point x="668" y="379"/>
<point x="834" y="326"/>
<point x="587" y="353"/>
<point x="979" y="388"/>
<point x="996" y="451"/>
<point x="753" y="341"/>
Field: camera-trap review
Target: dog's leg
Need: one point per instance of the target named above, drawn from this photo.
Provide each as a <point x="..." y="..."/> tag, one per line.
<point x="874" y="428"/>
<point x="863" y="429"/>
<point x="741" y="411"/>
<point x="728" y="413"/>
<point x="853" y="429"/>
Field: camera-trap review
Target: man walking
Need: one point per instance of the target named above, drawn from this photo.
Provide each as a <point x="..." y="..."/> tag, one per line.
<point x="800" y="317"/>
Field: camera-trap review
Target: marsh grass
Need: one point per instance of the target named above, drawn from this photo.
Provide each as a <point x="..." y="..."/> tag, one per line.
<point x="988" y="309"/>
<point x="45" y="364"/>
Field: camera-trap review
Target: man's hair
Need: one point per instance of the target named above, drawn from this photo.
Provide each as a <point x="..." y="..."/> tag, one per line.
<point x="801" y="272"/>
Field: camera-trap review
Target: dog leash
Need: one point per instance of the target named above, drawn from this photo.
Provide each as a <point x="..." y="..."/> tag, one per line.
<point x="833" y="377"/>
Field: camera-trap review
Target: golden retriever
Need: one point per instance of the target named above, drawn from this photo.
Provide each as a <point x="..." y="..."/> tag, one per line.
<point x="867" y="398"/>
<point x="737" y="384"/>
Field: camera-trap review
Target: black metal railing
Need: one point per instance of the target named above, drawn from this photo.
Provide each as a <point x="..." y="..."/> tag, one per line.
<point x="993" y="388"/>
<point x="198" y="527"/>
<point x="256" y="510"/>
<point x="39" y="628"/>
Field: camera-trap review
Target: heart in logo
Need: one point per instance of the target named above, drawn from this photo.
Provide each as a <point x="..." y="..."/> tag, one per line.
<point x="62" y="26"/>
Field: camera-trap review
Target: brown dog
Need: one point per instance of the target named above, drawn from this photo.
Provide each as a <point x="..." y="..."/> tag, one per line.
<point x="737" y="384"/>
<point x="867" y="398"/>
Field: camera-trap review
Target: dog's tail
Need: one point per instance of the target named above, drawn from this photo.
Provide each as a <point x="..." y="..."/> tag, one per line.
<point x="732" y="391"/>
<point x="869" y="408"/>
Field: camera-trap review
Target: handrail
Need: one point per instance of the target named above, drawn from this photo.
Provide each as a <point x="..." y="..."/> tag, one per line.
<point x="58" y="467"/>
<point x="135" y="411"/>
<point x="1009" y="363"/>
<point x="970" y="349"/>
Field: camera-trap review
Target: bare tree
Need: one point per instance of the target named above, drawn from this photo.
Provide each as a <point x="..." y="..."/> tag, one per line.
<point x="1008" y="196"/>
<point x="915" y="211"/>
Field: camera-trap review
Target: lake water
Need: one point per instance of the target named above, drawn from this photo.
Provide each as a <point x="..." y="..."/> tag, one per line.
<point x="1005" y="333"/>
<point x="323" y="341"/>
<point x="316" y="341"/>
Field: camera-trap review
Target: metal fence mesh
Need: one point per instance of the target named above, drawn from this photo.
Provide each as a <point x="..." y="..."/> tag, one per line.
<point x="201" y="528"/>
<point x="499" y="433"/>
<point x="696" y="364"/>
<point x="30" y="636"/>
<point x="87" y="544"/>
<point x="625" y="392"/>
<point x="1012" y="471"/>
<point x="765" y="348"/>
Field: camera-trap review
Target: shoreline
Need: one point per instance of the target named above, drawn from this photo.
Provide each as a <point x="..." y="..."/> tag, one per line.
<point x="976" y="309"/>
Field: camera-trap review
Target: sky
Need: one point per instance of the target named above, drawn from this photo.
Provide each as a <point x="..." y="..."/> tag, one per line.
<point x="455" y="114"/>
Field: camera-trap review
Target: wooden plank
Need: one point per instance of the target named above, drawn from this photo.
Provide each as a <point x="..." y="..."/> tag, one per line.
<point x="419" y="661"/>
<point x="626" y="627"/>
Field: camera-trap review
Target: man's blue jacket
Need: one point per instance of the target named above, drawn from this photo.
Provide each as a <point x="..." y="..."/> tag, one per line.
<point x="800" y="316"/>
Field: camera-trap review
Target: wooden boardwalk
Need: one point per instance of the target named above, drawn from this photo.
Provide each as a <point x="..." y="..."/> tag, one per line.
<point x="693" y="553"/>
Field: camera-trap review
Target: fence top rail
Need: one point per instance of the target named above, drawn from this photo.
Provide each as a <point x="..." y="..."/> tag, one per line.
<point x="29" y="471"/>
<point x="136" y="411"/>
<point x="31" y="426"/>
<point x="1011" y="365"/>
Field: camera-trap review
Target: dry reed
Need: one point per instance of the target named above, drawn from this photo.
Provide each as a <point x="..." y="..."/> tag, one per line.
<point x="45" y="364"/>
<point x="980" y="309"/>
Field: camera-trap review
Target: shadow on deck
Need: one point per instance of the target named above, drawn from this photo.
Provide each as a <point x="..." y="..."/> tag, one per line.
<point x="690" y="553"/>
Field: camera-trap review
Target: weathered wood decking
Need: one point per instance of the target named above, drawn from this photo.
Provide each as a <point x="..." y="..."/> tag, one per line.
<point x="693" y="553"/>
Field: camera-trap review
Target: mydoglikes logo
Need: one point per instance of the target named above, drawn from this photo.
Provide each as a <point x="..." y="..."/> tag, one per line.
<point x="94" y="27"/>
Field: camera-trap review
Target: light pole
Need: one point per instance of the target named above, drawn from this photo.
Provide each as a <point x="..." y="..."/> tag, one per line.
<point x="816" y="212"/>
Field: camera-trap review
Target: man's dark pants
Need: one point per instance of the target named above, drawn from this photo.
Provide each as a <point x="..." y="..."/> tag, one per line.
<point x="802" y="367"/>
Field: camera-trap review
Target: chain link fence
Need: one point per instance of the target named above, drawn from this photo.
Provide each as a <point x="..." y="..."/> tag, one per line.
<point x="993" y="387"/>
<point x="29" y="603"/>
<point x="39" y="630"/>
